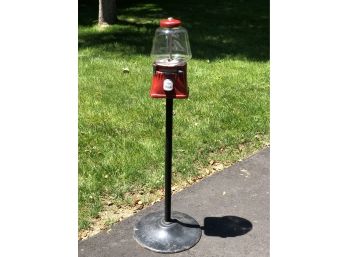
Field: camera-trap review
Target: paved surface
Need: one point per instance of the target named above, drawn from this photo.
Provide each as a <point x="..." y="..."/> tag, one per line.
<point x="239" y="193"/>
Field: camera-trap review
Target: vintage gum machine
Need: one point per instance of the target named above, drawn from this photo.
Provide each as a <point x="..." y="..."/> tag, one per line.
<point x="167" y="231"/>
<point x="170" y="51"/>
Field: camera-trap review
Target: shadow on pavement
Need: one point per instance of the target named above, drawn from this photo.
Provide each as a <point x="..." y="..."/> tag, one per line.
<point x="227" y="226"/>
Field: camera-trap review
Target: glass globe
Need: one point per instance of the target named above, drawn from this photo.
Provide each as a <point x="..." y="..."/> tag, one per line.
<point x="171" y="46"/>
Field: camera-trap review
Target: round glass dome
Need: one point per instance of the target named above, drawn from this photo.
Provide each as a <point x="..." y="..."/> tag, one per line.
<point x="171" y="44"/>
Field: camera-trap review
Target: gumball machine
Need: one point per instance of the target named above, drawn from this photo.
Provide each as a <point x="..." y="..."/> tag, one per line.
<point x="167" y="231"/>
<point x="170" y="53"/>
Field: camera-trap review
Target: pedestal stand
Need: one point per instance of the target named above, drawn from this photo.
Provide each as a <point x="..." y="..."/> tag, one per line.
<point x="167" y="232"/>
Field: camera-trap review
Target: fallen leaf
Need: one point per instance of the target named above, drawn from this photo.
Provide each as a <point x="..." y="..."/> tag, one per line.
<point x="245" y="172"/>
<point x="241" y="147"/>
<point x="139" y="207"/>
<point x="218" y="166"/>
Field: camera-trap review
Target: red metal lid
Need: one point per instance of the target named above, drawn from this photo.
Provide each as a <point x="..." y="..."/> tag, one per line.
<point x="170" y="23"/>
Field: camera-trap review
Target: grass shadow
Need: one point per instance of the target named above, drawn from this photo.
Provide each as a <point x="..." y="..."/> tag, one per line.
<point x="217" y="29"/>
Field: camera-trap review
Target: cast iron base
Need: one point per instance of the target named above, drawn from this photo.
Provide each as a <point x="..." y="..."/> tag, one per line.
<point x="153" y="233"/>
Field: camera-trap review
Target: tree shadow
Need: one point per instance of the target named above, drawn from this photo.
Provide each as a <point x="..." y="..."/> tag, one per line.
<point x="227" y="226"/>
<point x="87" y="12"/>
<point x="217" y="29"/>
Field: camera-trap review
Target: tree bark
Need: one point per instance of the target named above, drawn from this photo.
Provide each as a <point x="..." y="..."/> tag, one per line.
<point x="107" y="12"/>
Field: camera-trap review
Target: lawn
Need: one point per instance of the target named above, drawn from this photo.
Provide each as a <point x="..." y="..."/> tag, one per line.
<point x="121" y="129"/>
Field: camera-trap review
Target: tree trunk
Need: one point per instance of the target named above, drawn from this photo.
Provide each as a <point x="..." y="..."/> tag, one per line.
<point x="107" y="12"/>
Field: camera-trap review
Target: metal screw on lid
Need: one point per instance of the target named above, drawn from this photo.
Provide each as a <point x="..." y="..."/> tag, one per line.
<point x="170" y="23"/>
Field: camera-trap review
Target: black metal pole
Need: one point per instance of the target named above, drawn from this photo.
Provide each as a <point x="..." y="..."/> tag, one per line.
<point x="168" y="160"/>
<point x="176" y="231"/>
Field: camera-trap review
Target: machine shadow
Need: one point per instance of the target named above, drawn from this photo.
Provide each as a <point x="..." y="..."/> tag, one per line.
<point x="217" y="29"/>
<point x="227" y="226"/>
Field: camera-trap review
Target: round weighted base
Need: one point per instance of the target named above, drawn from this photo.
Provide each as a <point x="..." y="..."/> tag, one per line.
<point x="153" y="233"/>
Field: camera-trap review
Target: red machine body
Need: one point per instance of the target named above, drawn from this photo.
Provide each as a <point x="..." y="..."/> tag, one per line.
<point x="176" y="74"/>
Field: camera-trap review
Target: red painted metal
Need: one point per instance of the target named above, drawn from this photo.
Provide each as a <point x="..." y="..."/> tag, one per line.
<point x="170" y="23"/>
<point x="177" y="74"/>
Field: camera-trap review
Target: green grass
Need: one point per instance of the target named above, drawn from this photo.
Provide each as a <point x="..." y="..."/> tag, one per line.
<point x="121" y="129"/>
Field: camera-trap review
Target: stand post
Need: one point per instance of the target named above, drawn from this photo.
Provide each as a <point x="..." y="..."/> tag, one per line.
<point x="168" y="232"/>
<point x="168" y="160"/>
